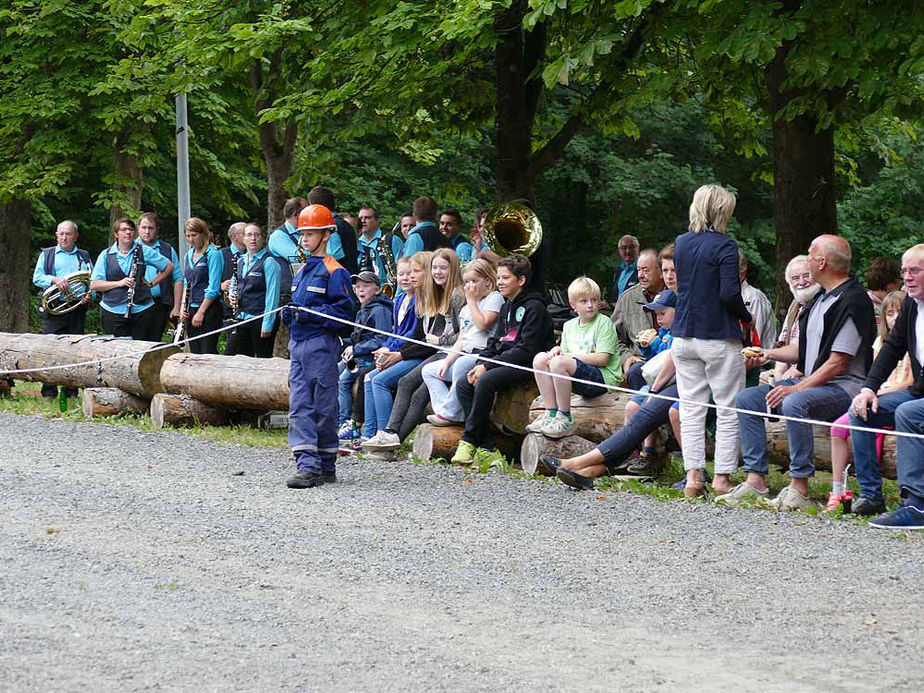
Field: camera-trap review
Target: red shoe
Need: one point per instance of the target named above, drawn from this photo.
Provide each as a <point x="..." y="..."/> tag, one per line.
<point x="838" y="500"/>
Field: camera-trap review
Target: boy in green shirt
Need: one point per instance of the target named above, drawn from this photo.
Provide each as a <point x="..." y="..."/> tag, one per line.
<point x="588" y="351"/>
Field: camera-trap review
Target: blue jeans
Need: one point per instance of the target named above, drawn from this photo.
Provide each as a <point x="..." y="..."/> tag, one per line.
<point x="826" y="402"/>
<point x="379" y="386"/>
<point x="653" y="414"/>
<point x="864" y="444"/>
<point x="906" y="412"/>
<point x="344" y="393"/>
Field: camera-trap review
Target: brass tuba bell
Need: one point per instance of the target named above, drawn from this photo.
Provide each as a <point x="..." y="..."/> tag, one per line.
<point x="57" y="302"/>
<point x="512" y="228"/>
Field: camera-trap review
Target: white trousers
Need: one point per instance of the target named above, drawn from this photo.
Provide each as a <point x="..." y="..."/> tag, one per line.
<point x="707" y="366"/>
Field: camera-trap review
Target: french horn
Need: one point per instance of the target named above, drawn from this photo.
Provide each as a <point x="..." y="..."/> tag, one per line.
<point x="512" y="228"/>
<point x="58" y="302"/>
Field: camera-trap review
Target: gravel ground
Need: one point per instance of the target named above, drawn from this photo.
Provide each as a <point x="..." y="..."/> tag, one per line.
<point x="147" y="561"/>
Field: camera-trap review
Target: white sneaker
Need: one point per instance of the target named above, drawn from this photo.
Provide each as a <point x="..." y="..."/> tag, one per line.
<point x="791" y="499"/>
<point x="742" y="491"/>
<point x="345" y="429"/>
<point x="559" y="427"/>
<point x="383" y="440"/>
<point x="540" y="423"/>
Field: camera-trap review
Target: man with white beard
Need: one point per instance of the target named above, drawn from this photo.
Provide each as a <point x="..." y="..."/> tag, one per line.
<point x="803" y="289"/>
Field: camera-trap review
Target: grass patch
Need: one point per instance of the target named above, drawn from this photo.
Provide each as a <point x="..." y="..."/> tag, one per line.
<point x="26" y="400"/>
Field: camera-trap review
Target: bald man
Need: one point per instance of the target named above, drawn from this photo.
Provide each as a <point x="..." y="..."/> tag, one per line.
<point x="53" y="265"/>
<point x="834" y="351"/>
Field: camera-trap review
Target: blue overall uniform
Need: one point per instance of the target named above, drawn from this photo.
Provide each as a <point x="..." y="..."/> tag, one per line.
<point x="322" y="285"/>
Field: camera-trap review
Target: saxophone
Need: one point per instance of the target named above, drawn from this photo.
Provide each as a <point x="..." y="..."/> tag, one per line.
<point x="137" y="259"/>
<point x="233" y="298"/>
<point x="383" y="250"/>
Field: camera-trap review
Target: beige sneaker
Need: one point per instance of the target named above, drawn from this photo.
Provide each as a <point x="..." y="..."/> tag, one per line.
<point x="791" y="499"/>
<point x="559" y="427"/>
<point x="540" y="423"/>
<point x="744" y="490"/>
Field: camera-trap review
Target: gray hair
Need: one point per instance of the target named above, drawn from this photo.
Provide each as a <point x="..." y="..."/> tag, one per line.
<point x="68" y="221"/>
<point x="711" y="209"/>
<point x="789" y="265"/>
<point x="836" y="252"/>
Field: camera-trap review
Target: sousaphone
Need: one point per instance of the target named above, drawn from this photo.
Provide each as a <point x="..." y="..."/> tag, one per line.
<point x="512" y="228"/>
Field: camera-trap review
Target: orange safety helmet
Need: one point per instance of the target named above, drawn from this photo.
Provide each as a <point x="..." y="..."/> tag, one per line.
<point x="316" y="217"/>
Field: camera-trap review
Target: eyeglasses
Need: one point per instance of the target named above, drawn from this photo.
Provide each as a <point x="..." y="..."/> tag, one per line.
<point x="626" y="247"/>
<point x="806" y="276"/>
<point x="911" y="271"/>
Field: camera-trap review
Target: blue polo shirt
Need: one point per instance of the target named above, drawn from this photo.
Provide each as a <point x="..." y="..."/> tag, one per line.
<point x="66" y="262"/>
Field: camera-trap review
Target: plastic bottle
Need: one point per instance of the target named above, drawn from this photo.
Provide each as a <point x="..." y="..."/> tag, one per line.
<point x="62" y="399"/>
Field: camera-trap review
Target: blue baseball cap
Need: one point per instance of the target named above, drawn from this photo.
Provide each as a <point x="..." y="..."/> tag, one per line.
<point x="665" y="299"/>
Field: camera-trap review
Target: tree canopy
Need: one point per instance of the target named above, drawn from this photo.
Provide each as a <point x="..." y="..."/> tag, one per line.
<point x="607" y="115"/>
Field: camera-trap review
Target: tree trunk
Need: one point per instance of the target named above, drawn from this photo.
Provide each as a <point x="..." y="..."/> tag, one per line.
<point x="182" y="410"/>
<point x="238" y="382"/>
<point x="109" y="401"/>
<point x="517" y="54"/>
<point x="277" y="150"/>
<point x="536" y="444"/>
<point x="136" y="371"/>
<point x="595" y="419"/>
<point x="440" y="442"/>
<point x="804" y="204"/>
<point x="15" y="271"/>
<point x="511" y="407"/>
<point x="129" y="182"/>
<point x="778" y="449"/>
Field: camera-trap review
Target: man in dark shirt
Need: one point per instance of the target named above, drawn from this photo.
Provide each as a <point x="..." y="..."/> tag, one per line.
<point x="834" y="351"/>
<point x="903" y="409"/>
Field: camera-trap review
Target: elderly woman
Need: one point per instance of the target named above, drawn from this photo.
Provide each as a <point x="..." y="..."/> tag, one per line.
<point x="708" y="337"/>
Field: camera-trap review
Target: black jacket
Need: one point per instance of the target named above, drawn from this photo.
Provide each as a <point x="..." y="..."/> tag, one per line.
<point x="349" y="244"/>
<point x="524" y="328"/>
<point x="901" y="340"/>
<point x="854" y="303"/>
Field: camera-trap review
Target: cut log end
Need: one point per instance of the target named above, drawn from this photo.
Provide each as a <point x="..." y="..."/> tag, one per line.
<point x="110" y="401"/>
<point x="182" y="410"/>
<point x="536" y="445"/>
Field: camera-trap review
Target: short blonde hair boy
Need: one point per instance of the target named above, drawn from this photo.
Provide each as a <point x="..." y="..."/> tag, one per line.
<point x="583" y="287"/>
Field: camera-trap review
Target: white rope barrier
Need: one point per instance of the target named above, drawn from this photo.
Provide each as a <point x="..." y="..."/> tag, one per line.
<point x="449" y="350"/>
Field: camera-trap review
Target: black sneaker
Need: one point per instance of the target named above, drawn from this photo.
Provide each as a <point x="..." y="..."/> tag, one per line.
<point x="646" y="464"/>
<point x="575" y="480"/>
<point x="547" y="465"/>
<point x="305" y="480"/>
<point x="866" y="507"/>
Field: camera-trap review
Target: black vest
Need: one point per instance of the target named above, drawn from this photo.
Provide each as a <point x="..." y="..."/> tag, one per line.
<point x="197" y="277"/>
<point x="252" y="288"/>
<point x="49" y="259"/>
<point x="114" y="273"/>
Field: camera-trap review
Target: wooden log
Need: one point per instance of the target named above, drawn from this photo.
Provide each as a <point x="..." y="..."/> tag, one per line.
<point x="182" y="410"/>
<point x="440" y="442"/>
<point x="594" y="419"/>
<point x="778" y="449"/>
<point x="511" y="409"/>
<point x="536" y="444"/>
<point x="238" y="382"/>
<point x="109" y="401"/>
<point x="137" y="372"/>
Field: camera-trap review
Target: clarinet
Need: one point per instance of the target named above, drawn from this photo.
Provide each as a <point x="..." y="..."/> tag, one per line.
<point x="233" y="298"/>
<point x="137" y="259"/>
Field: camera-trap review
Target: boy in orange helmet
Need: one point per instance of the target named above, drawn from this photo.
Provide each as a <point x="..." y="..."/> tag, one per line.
<point x="323" y="286"/>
